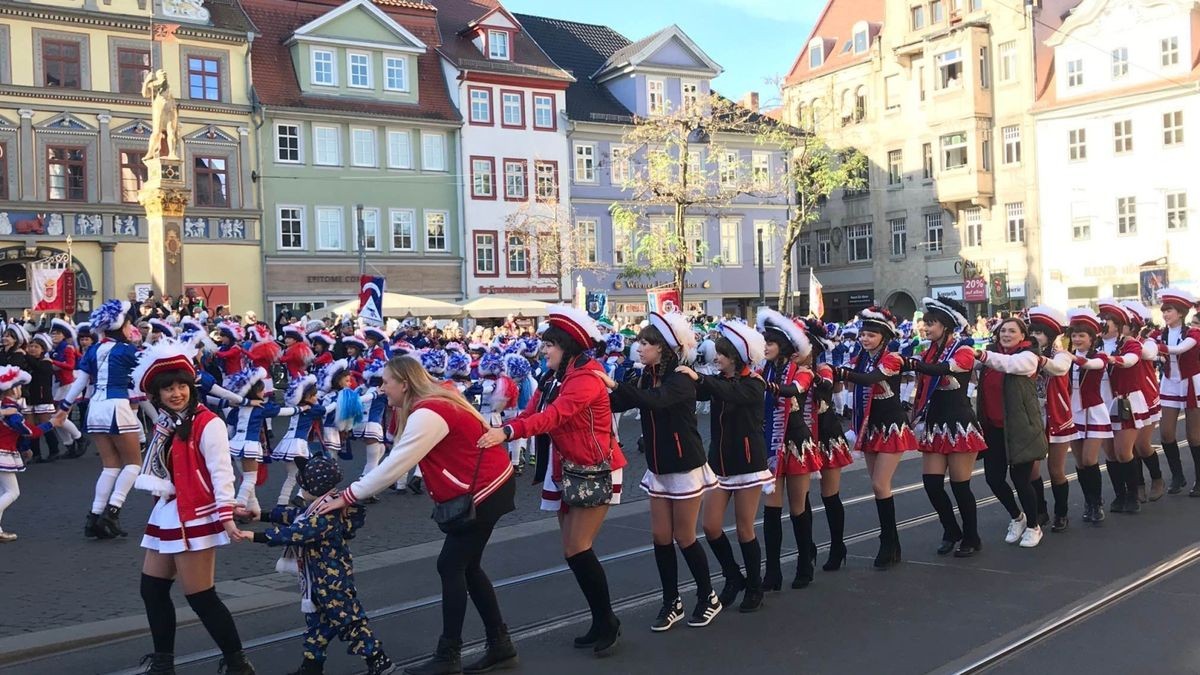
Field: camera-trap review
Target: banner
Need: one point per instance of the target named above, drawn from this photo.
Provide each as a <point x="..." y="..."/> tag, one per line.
<point x="597" y="304"/>
<point x="975" y="289"/>
<point x="816" y="296"/>
<point x="664" y="300"/>
<point x="1151" y="281"/>
<point x="999" y="288"/>
<point x="47" y="284"/>
<point x="370" y="299"/>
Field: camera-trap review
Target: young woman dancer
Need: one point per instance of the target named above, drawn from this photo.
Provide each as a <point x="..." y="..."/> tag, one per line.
<point x="677" y="472"/>
<point x="1092" y="421"/>
<point x="738" y="454"/>
<point x="14" y="429"/>
<point x="1179" y="346"/>
<point x="1139" y="329"/>
<point x="39" y="392"/>
<point x="1046" y="325"/>
<point x="64" y="356"/>
<point x="883" y="431"/>
<point x="952" y="438"/>
<point x="1129" y="411"/>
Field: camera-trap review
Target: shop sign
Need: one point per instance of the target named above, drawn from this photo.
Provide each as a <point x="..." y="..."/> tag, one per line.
<point x="975" y="290"/>
<point x="860" y="298"/>
<point x="1016" y="289"/>
<point x="508" y="290"/>
<point x="953" y="292"/>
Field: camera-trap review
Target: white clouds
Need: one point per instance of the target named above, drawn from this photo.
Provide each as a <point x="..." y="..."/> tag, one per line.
<point x="789" y="11"/>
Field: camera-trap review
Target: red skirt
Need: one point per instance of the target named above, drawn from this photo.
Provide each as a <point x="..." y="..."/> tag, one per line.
<point x="941" y="439"/>
<point x="894" y="439"/>
<point x="835" y="454"/>
<point x="798" y="461"/>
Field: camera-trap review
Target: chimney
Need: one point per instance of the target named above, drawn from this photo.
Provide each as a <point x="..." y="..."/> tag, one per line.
<point x="750" y="101"/>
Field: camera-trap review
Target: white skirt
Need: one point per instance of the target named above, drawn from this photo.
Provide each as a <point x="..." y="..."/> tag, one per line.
<point x="552" y="491"/>
<point x="1142" y="416"/>
<point x="247" y="450"/>
<point x="370" y="431"/>
<point x="1093" y="422"/>
<point x="11" y="462"/>
<point x="112" y="416"/>
<point x="743" y="481"/>
<point x="165" y="535"/>
<point x="289" y="449"/>
<point x="331" y="438"/>
<point x="1179" y="394"/>
<point x="683" y="485"/>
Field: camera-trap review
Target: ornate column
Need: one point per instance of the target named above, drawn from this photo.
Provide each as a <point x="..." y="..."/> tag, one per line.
<point x="104" y="153"/>
<point x="165" y="196"/>
<point x="28" y="166"/>
<point x="108" y="270"/>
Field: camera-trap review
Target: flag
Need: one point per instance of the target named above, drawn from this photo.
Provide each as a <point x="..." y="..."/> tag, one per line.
<point x="48" y="285"/>
<point x="370" y="300"/>
<point x="164" y="32"/>
<point x="664" y="300"/>
<point x="597" y="304"/>
<point x="816" y="298"/>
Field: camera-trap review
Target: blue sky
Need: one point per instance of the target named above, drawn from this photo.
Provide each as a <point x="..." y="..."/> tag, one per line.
<point x="754" y="40"/>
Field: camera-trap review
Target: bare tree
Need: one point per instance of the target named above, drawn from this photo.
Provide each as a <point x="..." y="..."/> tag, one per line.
<point x="546" y="228"/>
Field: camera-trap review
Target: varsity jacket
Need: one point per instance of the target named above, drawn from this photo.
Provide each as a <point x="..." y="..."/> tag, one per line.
<point x="736" y="422"/>
<point x="1181" y="348"/>
<point x="201" y="470"/>
<point x="668" y="405"/>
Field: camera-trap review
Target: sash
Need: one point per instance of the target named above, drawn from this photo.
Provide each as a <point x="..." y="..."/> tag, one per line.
<point x="864" y="363"/>
<point x="927" y="384"/>
<point x="777" y="408"/>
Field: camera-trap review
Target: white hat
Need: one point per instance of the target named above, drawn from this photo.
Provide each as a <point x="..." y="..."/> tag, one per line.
<point x="769" y="319"/>
<point x="11" y="376"/>
<point x="750" y="344"/>
<point x="581" y="327"/>
<point x="1048" y="317"/>
<point x="677" y="332"/>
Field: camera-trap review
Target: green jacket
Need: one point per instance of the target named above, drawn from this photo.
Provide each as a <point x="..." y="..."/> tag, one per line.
<point x="1024" y="421"/>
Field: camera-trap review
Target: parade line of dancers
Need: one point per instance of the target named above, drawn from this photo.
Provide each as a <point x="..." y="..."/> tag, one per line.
<point x="185" y="415"/>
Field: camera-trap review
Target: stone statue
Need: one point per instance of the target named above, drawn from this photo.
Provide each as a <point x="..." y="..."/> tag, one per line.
<point x="165" y="116"/>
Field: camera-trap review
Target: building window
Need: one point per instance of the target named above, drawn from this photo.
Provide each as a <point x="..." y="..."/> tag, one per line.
<point x="287" y="143"/>
<point x="1077" y="144"/>
<point x="585" y="163"/>
<point x="728" y="169"/>
<point x="1176" y="210"/>
<point x="512" y="109"/>
<point x="359" y="68"/>
<point x="1012" y="144"/>
<point x="585" y="230"/>
<point x="985" y="69"/>
<point x="805" y="248"/>
<point x="204" y="78"/>
<point x="1008" y="61"/>
<point x="1123" y="136"/>
<point x="934" y="235"/>
<point x="696" y="241"/>
<point x="1170" y="51"/>
<point x="949" y="69"/>
<point x="935" y="12"/>
<point x="133" y="175"/>
<point x="516" y="180"/>
<point x="891" y="93"/>
<point x="918" y="17"/>
<point x="1015" y="216"/>
<point x="370" y="230"/>
<point x="1081" y="228"/>
<point x="518" y="256"/>
<point x="543" y="112"/>
<point x="435" y="231"/>
<point x="816" y="53"/>
<point x="1173" y="128"/>
<point x="324" y="70"/>
<point x="3" y="171"/>
<point x="731" y="245"/>
<point x="690" y="94"/>
<point x="761" y="168"/>
<point x="395" y="73"/>
<point x="1120" y="62"/>
<point x="927" y="161"/>
<point x="132" y="66"/>
<point x="498" y="45"/>
<point x="1126" y="215"/>
<point x="212" y="181"/>
<point x="481" y="106"/>
<point x="67" y="173"/>
<point x="973" y="226"/>
<point x="895" y="167"/>
<point x="619" y="165"/>
<point x="858" y="240"/>
<point x="976" y="5"/>
<point x="860" y="40"/>
<point x="860" y="104"/>
<point x="329" y="229"/>
<point x="656" y="97"/>
<point x="485" y="254"/>
<point x="622" y="245"/>
<point x="483" y="178"/>
<point x="326" y="146"/>
<point x="767" y="228"/>
<point x="1075" y="73"/>
<point x="399" y="149"/>
<point x="61" y="65"/>
<point x="433" y="151"/>
<point x="362" y="147"/>
<point x="291" y="227"/>
<point x="954" y="151"/>
<point x="546" y="174"/>
<point x="824" y="249"/>
<point x="404" y="225"/>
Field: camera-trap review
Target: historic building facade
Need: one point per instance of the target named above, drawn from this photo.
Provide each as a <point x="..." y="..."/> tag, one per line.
<point x="74" y="127"/>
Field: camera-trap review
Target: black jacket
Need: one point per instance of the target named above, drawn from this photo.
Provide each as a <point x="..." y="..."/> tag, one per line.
<point x="668" y="403"/>
<point x="738" y="409"/>
<point x="40" y="389"/>
<point x="14" y="357"/>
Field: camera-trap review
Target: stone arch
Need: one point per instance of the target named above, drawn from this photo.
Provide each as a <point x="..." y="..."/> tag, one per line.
<point x="14" y="284"/>
<point x="902" y="305"/>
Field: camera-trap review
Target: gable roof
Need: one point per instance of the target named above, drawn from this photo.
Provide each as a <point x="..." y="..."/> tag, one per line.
<point x="635" y="53"/>
<point x="581" y="49"/>
<point x="367" y="6"/>
<point x="456" y="18"/>
<point x="835" y="27"/>
<point x="276" y="83"/>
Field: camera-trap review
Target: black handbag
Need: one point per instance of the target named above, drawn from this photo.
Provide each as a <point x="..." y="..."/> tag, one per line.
<point x="458" y="514"/>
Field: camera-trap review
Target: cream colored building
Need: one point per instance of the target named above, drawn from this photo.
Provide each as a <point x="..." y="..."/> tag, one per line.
<point x="73" y="128"/>
<point x="936" y="94"/>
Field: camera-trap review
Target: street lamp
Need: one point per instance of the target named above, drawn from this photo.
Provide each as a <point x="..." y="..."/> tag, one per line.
<point x="361" y="235"/>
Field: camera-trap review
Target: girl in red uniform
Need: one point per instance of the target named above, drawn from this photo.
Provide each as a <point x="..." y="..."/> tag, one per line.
<point x="1046" y="324"/>
<point x="1129" y="412"/>
<point x="1091" y="415"/>
<point x="1179" y="347"/>
<point x="1139" y="329"/>
<point x="14" y="428"/>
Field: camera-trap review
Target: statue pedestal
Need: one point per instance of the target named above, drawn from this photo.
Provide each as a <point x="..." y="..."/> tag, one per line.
<point x="165" y="196"/>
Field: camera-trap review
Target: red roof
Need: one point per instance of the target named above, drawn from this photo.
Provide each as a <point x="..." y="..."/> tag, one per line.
<point x="456" y="18"/>
<point x="836" y="29"/>
<point x="275" y="79"/>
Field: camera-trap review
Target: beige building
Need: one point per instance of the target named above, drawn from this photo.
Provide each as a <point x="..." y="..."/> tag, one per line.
<point x="936" y="94"/>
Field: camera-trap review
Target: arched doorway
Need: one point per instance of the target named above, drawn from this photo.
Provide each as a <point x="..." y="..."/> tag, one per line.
<point x="902" y="305"/>
<point x="14" y="282"/>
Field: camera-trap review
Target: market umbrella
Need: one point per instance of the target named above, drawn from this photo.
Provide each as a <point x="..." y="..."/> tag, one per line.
<point x="496" y="307"/>
<point x="400" y="305"/>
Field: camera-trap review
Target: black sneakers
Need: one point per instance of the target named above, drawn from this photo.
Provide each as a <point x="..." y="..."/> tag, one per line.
<point x="670" y="614"/>
<point x="706" y="610"/>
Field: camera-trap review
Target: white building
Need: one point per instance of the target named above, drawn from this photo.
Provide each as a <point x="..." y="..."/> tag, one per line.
<point x="1118" y="127"/>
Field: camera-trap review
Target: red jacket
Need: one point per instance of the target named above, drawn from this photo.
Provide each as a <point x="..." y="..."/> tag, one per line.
<point x="192" y="477"/>
<point x="578" y="420"/>
<point x="1125" y="381"/>
<point x="64" y="370"/>
<point x="232" y="358"/>
<point x="296" y="358"/>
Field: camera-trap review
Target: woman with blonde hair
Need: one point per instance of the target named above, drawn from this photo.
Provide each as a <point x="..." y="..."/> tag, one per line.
<point x="438" y="430"/>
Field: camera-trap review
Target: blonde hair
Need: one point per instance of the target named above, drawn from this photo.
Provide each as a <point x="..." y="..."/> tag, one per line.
<point x="422" y="387"/>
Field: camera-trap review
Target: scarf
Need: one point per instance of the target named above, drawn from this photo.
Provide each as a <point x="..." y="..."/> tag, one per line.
<point x="292" y="563"/>
<point x="929" y="383"/>
<point x="548" y="387"/>
<point x="777" y="407"/>
<point x="864" y="363"/>
<point x="155" y="476"/>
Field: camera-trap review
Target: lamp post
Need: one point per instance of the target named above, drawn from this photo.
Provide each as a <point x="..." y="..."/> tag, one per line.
<point x="762" y="291"/>
<point x="361" y="234"/>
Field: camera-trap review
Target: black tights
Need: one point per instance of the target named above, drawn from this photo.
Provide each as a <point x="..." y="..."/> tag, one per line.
<point x="462" y="575"/>
<point x="997" y="470"/>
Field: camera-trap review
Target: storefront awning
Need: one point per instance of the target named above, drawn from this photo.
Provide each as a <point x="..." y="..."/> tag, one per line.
<point x="400" y="305"/>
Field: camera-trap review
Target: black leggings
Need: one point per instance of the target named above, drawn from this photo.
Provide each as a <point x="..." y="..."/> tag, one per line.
<point x="461" y="572"/>
<point x="996" y="470"/>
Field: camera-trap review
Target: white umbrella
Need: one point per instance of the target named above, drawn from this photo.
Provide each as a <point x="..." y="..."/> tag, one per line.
<point x="495" y="307"/>
<point x="398" y="304"/>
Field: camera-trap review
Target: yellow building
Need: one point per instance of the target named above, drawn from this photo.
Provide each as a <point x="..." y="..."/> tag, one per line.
<point x="74" y="127"/>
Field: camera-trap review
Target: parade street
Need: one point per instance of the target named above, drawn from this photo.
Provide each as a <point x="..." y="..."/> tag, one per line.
<point x="979" y="608"/>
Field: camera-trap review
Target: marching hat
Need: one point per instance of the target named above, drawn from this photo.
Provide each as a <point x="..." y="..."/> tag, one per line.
<point x="63" y="326"/>
<point x="614" y="343"/>
<point x="162" y="327"/>
<point x="296" y="388"/>
<point x="293" y="330"/>
<point x="677" y="332"/>
<point x="947" y="310"/>
<point x="322" y="336"/>
<point x="374" y="333"/>
<point x="82" y="329"/>
<point x="244" y="380"/>
<point x="329" y="374"/>
<point x="232" y="330"/>
<point x="1048" y="318"/>
<point x="356" y="341"/>
<point x="878" y="320"/>
<point x="11" y="376"/>
<point x="259" y="332"/>
<point x="1084" y="317"/>
<point x="1139" y="314"/>
<point x="749" y="343"/>
<point x="109" y="316"/>
<point x="162" y="357"/>
<point x="818" y="333"/>
<point x="1177" y="297"/>
<point x="18" y="332"/>
<point x="779" y="329"/>
<point x="43" y="339"/>
<point x="576" y="323"/>
<point x="1112" y="307"/>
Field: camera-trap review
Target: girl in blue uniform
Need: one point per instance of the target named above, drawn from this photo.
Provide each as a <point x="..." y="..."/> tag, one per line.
<point x="301" y="393"/>
<point x="245" y="430"/>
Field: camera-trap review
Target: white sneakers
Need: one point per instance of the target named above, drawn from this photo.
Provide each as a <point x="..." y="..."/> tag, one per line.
<point x="1016" y="528"/>
<point x="6" y="537"/>
<point x="1032" y="537"/>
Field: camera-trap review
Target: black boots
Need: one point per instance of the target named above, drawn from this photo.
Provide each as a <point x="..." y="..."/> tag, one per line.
<point x="447" y="660"/>
<point x="889" y="537"/>
<point x="500" y="654"/>
<point x="108" y="525"/>
<point x="234" y="664"/>
<point x="773" y="539"/>
<point x="806" y="551"/>
<point x="158" y="663"/>
<point x="89" y="526"/>
<point x="380" y="664"/>
<point x="310" y="667"/>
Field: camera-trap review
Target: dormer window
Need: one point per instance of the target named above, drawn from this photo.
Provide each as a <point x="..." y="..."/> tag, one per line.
<point x="498" y="47"/>
<point x="860" y="37"/>
<point x="816" y="53"/>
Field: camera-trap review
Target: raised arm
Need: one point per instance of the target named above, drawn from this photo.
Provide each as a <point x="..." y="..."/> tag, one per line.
<point x="1021" y="363"/>
<point x="423" y="430"/>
